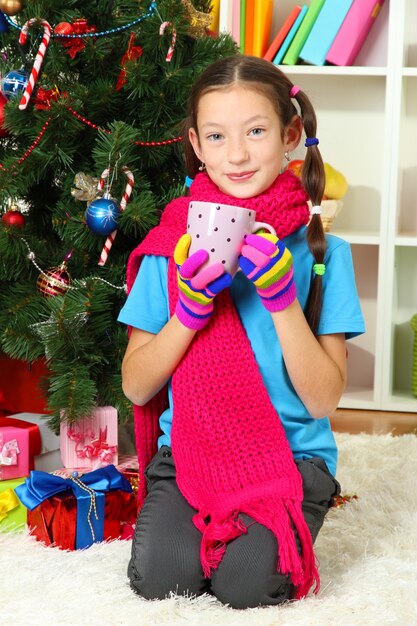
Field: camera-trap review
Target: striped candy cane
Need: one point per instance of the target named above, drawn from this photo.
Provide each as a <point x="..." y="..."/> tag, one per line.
<point x="173" y="39"/>
<point x="38" y="59"/>
<point x="125" y="199"/>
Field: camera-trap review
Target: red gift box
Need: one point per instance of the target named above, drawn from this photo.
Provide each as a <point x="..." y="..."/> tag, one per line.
<point x="20" y="385"/>
<point x="54" y="520"/>
<point x="73" y="513"/>
<point x="20" y="442"/>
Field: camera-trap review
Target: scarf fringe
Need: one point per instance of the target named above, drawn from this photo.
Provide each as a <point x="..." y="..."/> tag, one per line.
<point x="216" y="535"/>
<point x="281" y="517"/>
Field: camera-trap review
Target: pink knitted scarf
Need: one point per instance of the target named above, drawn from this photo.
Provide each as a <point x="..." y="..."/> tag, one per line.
<point x="229" y="446"/>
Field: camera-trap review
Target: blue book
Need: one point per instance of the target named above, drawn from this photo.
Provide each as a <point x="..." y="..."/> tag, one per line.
<point x="288" y="39"/>
<point x="324" y="31"/>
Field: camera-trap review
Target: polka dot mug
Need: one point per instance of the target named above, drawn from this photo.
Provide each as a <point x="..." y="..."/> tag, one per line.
<point x="220" y="229"/>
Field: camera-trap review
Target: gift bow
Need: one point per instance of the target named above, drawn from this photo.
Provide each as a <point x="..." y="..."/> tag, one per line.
<point x="132" y="53"/>
<point x="98" y="448"/>
<point x="8" y="502"/>
<point x="89" y="491"/>
<point x="8" y="455"/>
<point x="77" y="44"/>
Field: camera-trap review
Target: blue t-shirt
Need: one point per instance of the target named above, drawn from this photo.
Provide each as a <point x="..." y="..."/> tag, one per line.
<point x="147" y="308"/>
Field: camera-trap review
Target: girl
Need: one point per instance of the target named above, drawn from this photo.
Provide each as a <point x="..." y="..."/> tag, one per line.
<point x="238" y="375"/>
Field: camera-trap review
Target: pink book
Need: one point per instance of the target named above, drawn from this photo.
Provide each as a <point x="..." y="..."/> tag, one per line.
<point x="236" y="21"/>
<point x="352" y="34"/>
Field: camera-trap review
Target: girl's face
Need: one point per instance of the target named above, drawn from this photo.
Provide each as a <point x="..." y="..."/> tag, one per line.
<point x="239" y="139"/>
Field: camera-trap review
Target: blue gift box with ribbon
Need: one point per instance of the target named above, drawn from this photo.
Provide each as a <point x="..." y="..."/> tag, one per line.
<point x="74" y="512"/>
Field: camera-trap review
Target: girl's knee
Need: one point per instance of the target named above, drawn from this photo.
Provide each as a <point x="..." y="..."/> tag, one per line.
<point x="249" y="592"/>
<point x="156" y="580"/>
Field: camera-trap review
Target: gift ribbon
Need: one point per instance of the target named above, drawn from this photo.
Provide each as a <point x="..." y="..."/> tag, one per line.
<point x="98" y="448"/>
<point x="40" y="486"/>
<point x="8" y="451"/>
<point x="8" y="502"/>
<point x="34" y="436"/>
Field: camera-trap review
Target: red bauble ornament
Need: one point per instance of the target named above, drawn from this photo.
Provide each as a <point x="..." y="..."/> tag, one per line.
<point x="54" y="282"/>
<point x="13" y="217"/>
<point x="3" y="102"/>
<point x="63" y="28"/>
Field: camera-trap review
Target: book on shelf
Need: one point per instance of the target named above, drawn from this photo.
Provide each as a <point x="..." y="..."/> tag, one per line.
<point x="324" y="31"/>
<point x="353" y="32"/>
<point x="289" y="38"/>
<point x="226" y="16"/>
<point x="236" y="21"/>
<point x="302" y="33"/>
<point x="282" y="33"/>
<point x="242" y="25"/>
<point x="249" y="17"/>
<point x="262" y="20"/>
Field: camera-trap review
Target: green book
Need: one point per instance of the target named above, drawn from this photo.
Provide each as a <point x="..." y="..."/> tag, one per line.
<point x="303" y="32"/>
<point x="242" y="25"/>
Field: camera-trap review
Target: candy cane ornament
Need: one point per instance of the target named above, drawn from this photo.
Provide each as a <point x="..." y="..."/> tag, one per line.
<point x="47" y="30"/>
<point x="125" y="199"/>
<point x="173" y="39"/>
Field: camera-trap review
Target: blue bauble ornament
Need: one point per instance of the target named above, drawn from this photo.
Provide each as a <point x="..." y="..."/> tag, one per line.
<point x="4" y="27"/>
<point x="14" y="82"/>
<point x="101" y="215"/>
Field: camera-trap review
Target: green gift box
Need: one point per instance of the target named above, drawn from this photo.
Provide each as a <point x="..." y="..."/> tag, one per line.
<point x="13" y="514"/>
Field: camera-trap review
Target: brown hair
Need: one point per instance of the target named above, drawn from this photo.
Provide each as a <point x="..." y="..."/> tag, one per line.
<point x="267" y="78"/>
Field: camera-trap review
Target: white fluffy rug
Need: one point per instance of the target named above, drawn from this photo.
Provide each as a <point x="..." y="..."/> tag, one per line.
<point x="367" y="552"/>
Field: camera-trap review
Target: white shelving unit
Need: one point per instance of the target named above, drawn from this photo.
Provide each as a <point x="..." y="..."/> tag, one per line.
<point x="367" y="126"/>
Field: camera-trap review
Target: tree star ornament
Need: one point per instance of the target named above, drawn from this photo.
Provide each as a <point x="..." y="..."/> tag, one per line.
<point x="199" y="22"/>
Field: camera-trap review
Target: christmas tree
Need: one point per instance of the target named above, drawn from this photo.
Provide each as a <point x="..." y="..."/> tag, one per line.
<point x="93" y="95"/>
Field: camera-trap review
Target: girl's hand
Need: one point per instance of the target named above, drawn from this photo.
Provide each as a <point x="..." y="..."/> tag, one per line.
<point x="268" y="264"/>
<point x="197" y="288"/>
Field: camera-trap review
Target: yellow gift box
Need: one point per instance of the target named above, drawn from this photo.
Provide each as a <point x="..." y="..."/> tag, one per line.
<point x="13" y="514"/>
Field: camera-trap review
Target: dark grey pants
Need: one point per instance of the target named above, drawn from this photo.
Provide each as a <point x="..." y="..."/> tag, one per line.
<point x="166" y="544"/>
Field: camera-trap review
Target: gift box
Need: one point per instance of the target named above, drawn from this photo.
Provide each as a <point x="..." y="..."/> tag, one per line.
<point x="73" y="513"/>
<point x="20" y="442"/>
<point x="49" y="458"/>
<point x="91" y="443"/>
<point x="12" y="512"/>
<point x="20" y="388"/>
<point x="128" y="465"/>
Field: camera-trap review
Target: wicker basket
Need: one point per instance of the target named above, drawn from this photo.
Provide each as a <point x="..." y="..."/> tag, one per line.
<point x="413" y="324"/>
<point x="329" y="208"/>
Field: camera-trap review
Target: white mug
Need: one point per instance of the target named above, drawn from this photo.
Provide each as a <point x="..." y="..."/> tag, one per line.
<point x="220" y="229"/>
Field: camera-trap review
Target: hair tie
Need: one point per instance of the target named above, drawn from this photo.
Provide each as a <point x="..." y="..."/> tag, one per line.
<point x="319" y="269"/>
<point x="188" y="181"/>
<point x="315" y="210"/>
<point x="311" y="141"/>
<point x="294" y="91"/>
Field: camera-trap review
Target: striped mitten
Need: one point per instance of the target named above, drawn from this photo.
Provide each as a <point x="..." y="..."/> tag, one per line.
<point x="267" y="263"/>
<point x="197" y="288"/>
